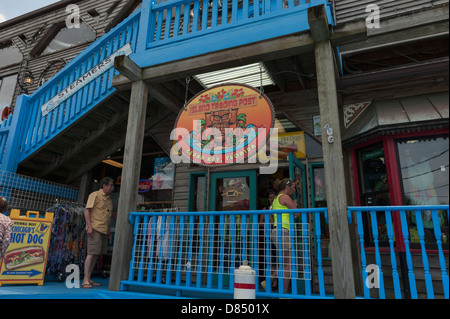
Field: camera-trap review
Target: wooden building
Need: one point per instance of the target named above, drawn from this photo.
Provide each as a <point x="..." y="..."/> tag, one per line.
<point x="365" y="84"/>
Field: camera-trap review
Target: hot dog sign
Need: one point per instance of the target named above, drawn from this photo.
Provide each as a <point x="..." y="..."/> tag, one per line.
<point x="26" y="257"/>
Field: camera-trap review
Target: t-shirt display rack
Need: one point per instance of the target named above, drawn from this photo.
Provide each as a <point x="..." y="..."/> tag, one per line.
<point x="68" y="239"/>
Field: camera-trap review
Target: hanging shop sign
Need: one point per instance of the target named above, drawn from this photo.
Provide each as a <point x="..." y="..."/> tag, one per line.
<point x="25" y="259"/>
<point x="85" y="79"/>
<point x="222" y="125"/>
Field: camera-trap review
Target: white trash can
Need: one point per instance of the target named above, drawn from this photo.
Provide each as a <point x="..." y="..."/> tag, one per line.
<point x="244" y="282"/>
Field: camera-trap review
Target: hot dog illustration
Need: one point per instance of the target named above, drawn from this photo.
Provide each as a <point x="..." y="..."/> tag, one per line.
<point x="23" y="257"/>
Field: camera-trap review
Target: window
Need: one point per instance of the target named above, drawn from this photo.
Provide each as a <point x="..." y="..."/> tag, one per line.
<point x="9" y="54"/>
<point x="374" y="189"/>
<point x="7" y="86"/>
<point x="69" y="37"/>
<point x="318" y="191"/>
<point x="423" y="166"/>
<point x="232" y="194"/>
<point x="424" y="170"/>
<point x="373" y="176"/>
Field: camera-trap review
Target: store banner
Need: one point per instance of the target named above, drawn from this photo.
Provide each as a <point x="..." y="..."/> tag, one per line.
<point x="163" y="174"/>
<point x="293" y="142"/>
<point x="85" y="79"/>
<point x="26" y="257"/>
<point x="222" y="125"/>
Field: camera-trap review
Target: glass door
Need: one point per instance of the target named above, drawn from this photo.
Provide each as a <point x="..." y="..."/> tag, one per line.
<point x="319" y="199"/>
<point x="297" y="172"/>
<point x="301" y="254"/>
<point x="232" y="191"/>
<point x="374" y="189"/>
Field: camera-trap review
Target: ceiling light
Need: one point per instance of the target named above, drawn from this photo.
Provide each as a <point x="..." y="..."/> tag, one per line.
<point x="113" y="163"/>
<point x="251" y="74"/>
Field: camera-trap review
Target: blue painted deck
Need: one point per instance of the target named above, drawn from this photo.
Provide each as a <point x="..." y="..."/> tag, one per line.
<point x="58" y="290"/>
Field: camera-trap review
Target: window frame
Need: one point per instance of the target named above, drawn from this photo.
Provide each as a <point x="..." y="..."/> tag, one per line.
<point x="394" y="181"/>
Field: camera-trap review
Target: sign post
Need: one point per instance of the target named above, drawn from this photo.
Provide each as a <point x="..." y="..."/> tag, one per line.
<point x="26" y="257"/>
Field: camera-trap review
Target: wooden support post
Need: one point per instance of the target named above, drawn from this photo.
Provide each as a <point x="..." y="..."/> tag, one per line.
<point x="85" y="187"/>
<point x="342" y="267"/>
<point x="123" y="238"/>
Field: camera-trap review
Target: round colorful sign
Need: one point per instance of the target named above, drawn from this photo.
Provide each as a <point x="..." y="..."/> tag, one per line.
<point x="224" y="124"/>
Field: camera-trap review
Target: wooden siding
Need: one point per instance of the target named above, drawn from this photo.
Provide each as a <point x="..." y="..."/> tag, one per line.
<point x="348" y="10"/>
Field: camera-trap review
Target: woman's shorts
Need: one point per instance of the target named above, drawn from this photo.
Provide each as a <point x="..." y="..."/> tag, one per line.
<point x="286" y="242"/>
<point x="97" y="243"/>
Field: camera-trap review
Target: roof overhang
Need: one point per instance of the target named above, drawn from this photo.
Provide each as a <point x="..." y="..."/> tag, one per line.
<point x="407" y="114"/>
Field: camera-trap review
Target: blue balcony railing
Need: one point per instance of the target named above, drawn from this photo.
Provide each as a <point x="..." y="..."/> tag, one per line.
<point x="177" y="29"/>
<point x="81" y="85"/>
<point x="199" y="251"/>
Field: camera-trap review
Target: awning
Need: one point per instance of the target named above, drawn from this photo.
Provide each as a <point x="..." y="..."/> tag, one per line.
<point x="407" y="114"/>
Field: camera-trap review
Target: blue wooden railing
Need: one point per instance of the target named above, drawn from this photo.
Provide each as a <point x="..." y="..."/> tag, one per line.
<point x="389" y="230"/>
<point x="81" y="85"/>
<point x="199" y="251"/>
<point x="5" y="128"/>
<point x="167" y="26"/>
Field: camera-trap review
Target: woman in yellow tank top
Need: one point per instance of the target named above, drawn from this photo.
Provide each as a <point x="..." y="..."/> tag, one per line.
<point x="283" y="201"/>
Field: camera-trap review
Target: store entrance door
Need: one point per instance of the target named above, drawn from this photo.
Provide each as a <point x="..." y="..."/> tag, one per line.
<point x="232" y="191"/>
<point x="297" y="172"/>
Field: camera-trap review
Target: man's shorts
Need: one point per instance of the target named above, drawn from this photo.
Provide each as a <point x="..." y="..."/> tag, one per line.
<point x="97" y="243"/>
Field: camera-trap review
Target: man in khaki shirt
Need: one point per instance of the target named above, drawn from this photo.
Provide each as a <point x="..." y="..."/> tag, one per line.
<point x="98" y="216"/>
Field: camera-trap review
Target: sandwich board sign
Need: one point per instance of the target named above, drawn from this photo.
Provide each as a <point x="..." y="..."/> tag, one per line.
<point x="25" y="259"/>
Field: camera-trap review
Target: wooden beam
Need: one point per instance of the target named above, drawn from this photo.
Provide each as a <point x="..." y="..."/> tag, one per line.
<point x="348" y="33"/>
<point x="95" y="159"/>
<point x="260" y="51"/>
<point x="279" y="81"/>
<point x="341" y="253"/>
<point x="297" y="66"/>
<point x="85" y="186"/>
<point x="151" y="120"/>
<point x="165" y="97"/>
<point x="128" y="68"/>
<point x="123" y="238"/>
<point x="318" y="23"/>
<point x="380" y="40"/>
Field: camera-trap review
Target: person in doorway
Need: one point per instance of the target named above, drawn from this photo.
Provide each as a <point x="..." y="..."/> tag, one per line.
<point x="261" y="239"/>
<point x="5" y="227"/>
<point x="283" y="201"/>
<point x="98" y="216"/>
<point x="271" y="196"/>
